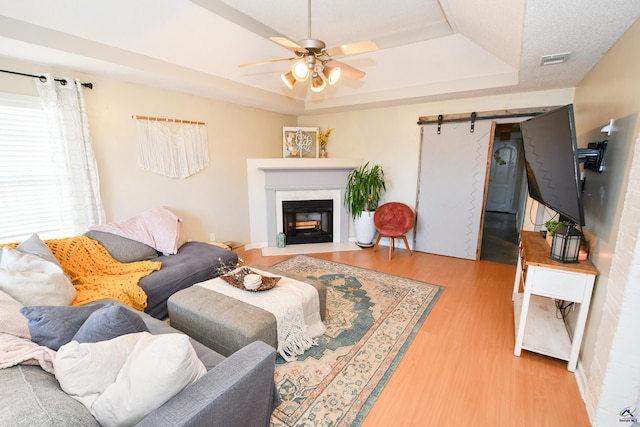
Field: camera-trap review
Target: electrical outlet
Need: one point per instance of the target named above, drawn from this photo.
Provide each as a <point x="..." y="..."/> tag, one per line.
<point x="212" y="237"/>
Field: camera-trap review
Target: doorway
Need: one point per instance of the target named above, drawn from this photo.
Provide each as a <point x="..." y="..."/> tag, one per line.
<point x="503" y="211"/>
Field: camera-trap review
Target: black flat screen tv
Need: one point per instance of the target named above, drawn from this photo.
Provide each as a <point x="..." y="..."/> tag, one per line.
<point x="552" y="164"/>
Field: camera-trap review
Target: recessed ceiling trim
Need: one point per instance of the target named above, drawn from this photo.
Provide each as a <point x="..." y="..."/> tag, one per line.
<point x="221" y="9"/>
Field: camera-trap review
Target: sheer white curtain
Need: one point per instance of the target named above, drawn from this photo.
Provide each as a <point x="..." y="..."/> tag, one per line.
<point x="65" y="105"/>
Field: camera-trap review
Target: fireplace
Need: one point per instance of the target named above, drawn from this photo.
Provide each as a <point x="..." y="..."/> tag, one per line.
<point x="273" y="181"/>
<point x="307" y="221"/>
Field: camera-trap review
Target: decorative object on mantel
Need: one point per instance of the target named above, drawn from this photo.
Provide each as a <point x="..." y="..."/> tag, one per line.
<point x="364" y="191"/>
<point x="323" y="139"/>
<point x="300" y="142"/>
<point x="171" y="147"/>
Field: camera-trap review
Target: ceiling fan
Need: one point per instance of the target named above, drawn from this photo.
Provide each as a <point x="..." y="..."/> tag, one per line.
<point x="315" y="61"/>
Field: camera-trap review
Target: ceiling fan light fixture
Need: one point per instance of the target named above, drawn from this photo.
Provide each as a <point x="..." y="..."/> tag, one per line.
<point x="288" y="79"/>
<point x="331" y="73"/>
<point x="317" y="83"/>
<point x="300" y="71"/>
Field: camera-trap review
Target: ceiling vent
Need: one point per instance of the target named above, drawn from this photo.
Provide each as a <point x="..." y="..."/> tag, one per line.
<point x="556" y="58"/>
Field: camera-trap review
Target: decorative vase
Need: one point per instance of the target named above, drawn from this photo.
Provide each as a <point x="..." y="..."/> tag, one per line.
<point x="365" y="229"/>
<point x="324" y="154"/>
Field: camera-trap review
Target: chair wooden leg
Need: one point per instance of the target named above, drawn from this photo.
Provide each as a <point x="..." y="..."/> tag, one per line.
<point x="380" y="236"/>
<point x="406" y="244"/>
<point x="392" y="242"/>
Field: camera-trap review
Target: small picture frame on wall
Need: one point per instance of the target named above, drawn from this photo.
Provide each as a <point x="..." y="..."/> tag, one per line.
<point x="300" y="142"/>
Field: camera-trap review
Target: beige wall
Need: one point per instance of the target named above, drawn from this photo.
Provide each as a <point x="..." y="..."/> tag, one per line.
<point x="214" y="199"/>
<point x="391" y="137"/>
<point x="611" y="350"/>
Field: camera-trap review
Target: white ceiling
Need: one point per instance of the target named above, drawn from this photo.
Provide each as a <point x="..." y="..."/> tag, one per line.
<point x="428" y="50"/>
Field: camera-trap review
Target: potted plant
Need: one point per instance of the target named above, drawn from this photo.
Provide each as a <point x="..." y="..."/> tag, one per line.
<point x="552" y="226"/>
<point x="365" y="186"/>
<point x="323" y="139"/>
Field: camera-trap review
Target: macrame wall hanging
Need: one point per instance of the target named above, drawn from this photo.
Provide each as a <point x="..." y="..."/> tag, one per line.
<point x="173" y="148"/>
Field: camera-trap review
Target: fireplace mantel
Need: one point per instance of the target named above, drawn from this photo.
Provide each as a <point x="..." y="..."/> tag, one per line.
<point x="266" y="177"/>
<point x="306" y="164"/>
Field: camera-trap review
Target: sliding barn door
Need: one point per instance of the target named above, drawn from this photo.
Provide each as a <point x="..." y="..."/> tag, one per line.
<point x="452" y="187"/>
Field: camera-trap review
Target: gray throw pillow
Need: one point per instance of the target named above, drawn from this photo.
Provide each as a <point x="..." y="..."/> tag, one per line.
<point x="109" y="322"/>
<point x="121" y="248"/>
<point x="35" y="246"/>
<point x="54" y="326"/>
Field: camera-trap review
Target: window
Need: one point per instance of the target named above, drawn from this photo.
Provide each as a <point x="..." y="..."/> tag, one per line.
<point x="34" y="187"/>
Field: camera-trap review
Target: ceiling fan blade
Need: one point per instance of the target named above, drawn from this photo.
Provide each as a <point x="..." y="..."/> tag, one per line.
<point x="347" y="70"/>
<point x="265" y="62"/>
<point x="351" y="49"/>
<point x="283" y="41"/>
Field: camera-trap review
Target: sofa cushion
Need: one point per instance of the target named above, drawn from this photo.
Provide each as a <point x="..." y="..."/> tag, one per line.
<point x="32" y="280"/>
<point x="11" y="321"/>
<point x="31" y="397"/>
<point x="121" y="248"/>
<point x="35" y="246"/>
<point x="123" y="379"/>
<point x="109" y="322"/>
<point x="53" y="326"/>
<point x="157" y="227"/>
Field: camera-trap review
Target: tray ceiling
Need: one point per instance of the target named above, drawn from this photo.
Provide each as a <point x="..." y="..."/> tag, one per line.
<point x="428" y="50"/>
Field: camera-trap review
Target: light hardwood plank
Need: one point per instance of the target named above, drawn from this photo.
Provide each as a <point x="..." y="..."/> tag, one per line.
<point x="460" y="368"/>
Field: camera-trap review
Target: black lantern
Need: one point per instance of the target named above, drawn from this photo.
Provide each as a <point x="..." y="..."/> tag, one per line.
<point x="566" y="244"/>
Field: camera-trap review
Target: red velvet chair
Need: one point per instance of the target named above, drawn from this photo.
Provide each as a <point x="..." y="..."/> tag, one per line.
<point x="394" y="220"/>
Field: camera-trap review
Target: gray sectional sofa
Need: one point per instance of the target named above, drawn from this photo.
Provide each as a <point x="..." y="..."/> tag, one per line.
<point x="238" y="390"/>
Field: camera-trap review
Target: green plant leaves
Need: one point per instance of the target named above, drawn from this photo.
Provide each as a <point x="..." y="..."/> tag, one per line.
<point x="365" y="186"/>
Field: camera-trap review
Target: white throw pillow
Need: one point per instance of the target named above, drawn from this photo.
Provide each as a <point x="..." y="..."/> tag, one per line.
<point x="122" y="380"/>
<point x="33" y="280"/>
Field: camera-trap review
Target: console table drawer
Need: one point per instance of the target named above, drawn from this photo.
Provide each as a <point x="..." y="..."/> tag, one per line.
<point x="557" y="284"/>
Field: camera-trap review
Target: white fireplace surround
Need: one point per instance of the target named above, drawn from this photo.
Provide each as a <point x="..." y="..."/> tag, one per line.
<point x="272" y="181"/>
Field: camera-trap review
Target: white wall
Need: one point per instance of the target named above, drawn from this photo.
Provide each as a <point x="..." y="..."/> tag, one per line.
<point x="391" y="138"/>
<point x="611" y="348"/>
<point x="214" y="199"/>
<point x="217" y="199"/>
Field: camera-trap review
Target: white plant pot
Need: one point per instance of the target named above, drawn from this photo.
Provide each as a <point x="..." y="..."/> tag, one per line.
<point x="364" y="228"/>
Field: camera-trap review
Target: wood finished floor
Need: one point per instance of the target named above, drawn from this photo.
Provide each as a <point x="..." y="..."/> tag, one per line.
<point x="460" y="369"/>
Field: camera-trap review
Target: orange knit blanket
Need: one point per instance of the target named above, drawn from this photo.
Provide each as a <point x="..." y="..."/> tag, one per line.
<point x="96" y="275"/>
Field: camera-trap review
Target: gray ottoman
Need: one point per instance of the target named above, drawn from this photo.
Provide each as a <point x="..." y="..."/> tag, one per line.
<point x="225" y="324"/>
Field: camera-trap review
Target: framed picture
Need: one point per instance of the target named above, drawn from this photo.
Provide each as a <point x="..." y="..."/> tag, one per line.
<point x="300" y="142"/>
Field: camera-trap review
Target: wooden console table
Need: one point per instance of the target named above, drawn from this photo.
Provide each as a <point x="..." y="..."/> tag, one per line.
<point x="543" y="281"/>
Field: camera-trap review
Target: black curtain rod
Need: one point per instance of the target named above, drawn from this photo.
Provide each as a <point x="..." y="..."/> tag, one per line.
<point x="44" y="79"/>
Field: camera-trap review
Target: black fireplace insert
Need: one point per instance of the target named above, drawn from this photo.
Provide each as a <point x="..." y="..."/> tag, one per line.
<point x="307" y="221"/>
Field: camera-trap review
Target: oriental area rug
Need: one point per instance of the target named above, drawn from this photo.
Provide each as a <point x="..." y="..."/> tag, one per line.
<point x="371" y="320"/>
